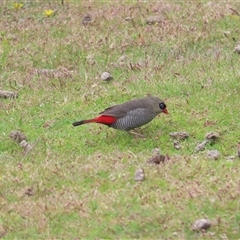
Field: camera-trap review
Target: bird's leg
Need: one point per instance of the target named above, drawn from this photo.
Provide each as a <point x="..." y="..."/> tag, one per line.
<point x="137" y="134"/>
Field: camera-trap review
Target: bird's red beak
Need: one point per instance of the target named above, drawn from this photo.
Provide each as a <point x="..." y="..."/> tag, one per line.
<point x="165" y="111"/>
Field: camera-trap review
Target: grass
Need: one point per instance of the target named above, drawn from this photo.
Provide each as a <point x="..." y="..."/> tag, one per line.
<point x="79" y="182"/>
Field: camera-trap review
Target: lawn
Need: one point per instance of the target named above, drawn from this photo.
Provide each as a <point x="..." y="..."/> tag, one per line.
<point x="78" y="182"/>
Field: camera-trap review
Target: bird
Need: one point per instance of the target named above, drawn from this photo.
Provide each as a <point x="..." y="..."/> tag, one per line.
<point x="129" y="115"/>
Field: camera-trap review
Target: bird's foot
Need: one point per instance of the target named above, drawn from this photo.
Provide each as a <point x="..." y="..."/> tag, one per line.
<point x="137" y="134"/>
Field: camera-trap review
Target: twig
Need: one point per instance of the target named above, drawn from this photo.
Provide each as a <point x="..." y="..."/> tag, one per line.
<point x="235" y="11"/>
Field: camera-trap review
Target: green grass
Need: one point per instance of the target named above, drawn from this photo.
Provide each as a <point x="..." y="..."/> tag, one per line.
<point x="79" y="182"/>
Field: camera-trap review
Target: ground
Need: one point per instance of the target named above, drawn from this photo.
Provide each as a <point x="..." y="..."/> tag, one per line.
<point x="79" y="182"/>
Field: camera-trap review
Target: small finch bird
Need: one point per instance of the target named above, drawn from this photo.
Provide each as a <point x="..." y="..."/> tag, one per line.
<point x="129" y="115"/>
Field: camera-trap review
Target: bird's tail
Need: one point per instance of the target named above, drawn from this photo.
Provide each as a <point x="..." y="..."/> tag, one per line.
<point x="103" y="119"/>
<point x="83" y="122"/>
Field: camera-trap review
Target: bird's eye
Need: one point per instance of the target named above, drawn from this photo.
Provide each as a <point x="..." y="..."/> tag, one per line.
<point x="162" y="105"/>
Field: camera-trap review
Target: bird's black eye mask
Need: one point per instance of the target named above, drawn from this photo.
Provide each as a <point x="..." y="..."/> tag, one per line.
<point x="162" y="106"/>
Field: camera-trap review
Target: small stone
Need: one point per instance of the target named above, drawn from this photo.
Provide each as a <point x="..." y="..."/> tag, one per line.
<point x="179" y="135"/>
<point x="106" y="76"/>
<point x="237" y="49"/>
<point x="139" y="175"/>
<point x="177" y="144"/>
<point x="154" y="19"/>
<point x="213" y="154"/>
<point x="212" y="136"/>
<point x="201" y="146"/>
<point x="201" y="224"/>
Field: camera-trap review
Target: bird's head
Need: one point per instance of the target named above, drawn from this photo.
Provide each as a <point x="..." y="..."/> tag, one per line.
<point x="157" y="105"/>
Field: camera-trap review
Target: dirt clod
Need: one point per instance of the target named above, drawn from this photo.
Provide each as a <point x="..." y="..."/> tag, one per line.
<point x="87" y="19"/>
<point x="7" y="94"/>
<point x="213" y="154"/>
<point x="18" y="136"/>
<point x="212" y="136"/>
<point x="201" y="146"/>
<point x="177" y="144"/>
<point x="158" y="159"/>
<point x="21" y="139"/>
<point x="179" y="135"/>
<point x="28" y="191"/>
<point x="26" y="146"/>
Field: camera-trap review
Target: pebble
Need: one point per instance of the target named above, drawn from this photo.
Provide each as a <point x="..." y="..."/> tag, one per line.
<point x="106" y="76"/>
<point x="201" y="224"/>
<point x="237" y="49"/>
<point x="139" y="175"/>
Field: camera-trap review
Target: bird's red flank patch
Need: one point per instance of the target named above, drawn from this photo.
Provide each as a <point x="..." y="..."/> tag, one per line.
<point x="104" y="119"/>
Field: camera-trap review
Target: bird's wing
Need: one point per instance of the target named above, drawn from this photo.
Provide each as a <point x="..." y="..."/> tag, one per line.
<point x="122" y="110"/>
<point x="117" y="111"/>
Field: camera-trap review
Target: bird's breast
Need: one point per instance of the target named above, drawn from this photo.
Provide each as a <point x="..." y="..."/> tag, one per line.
<point x="133" y="119"/>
